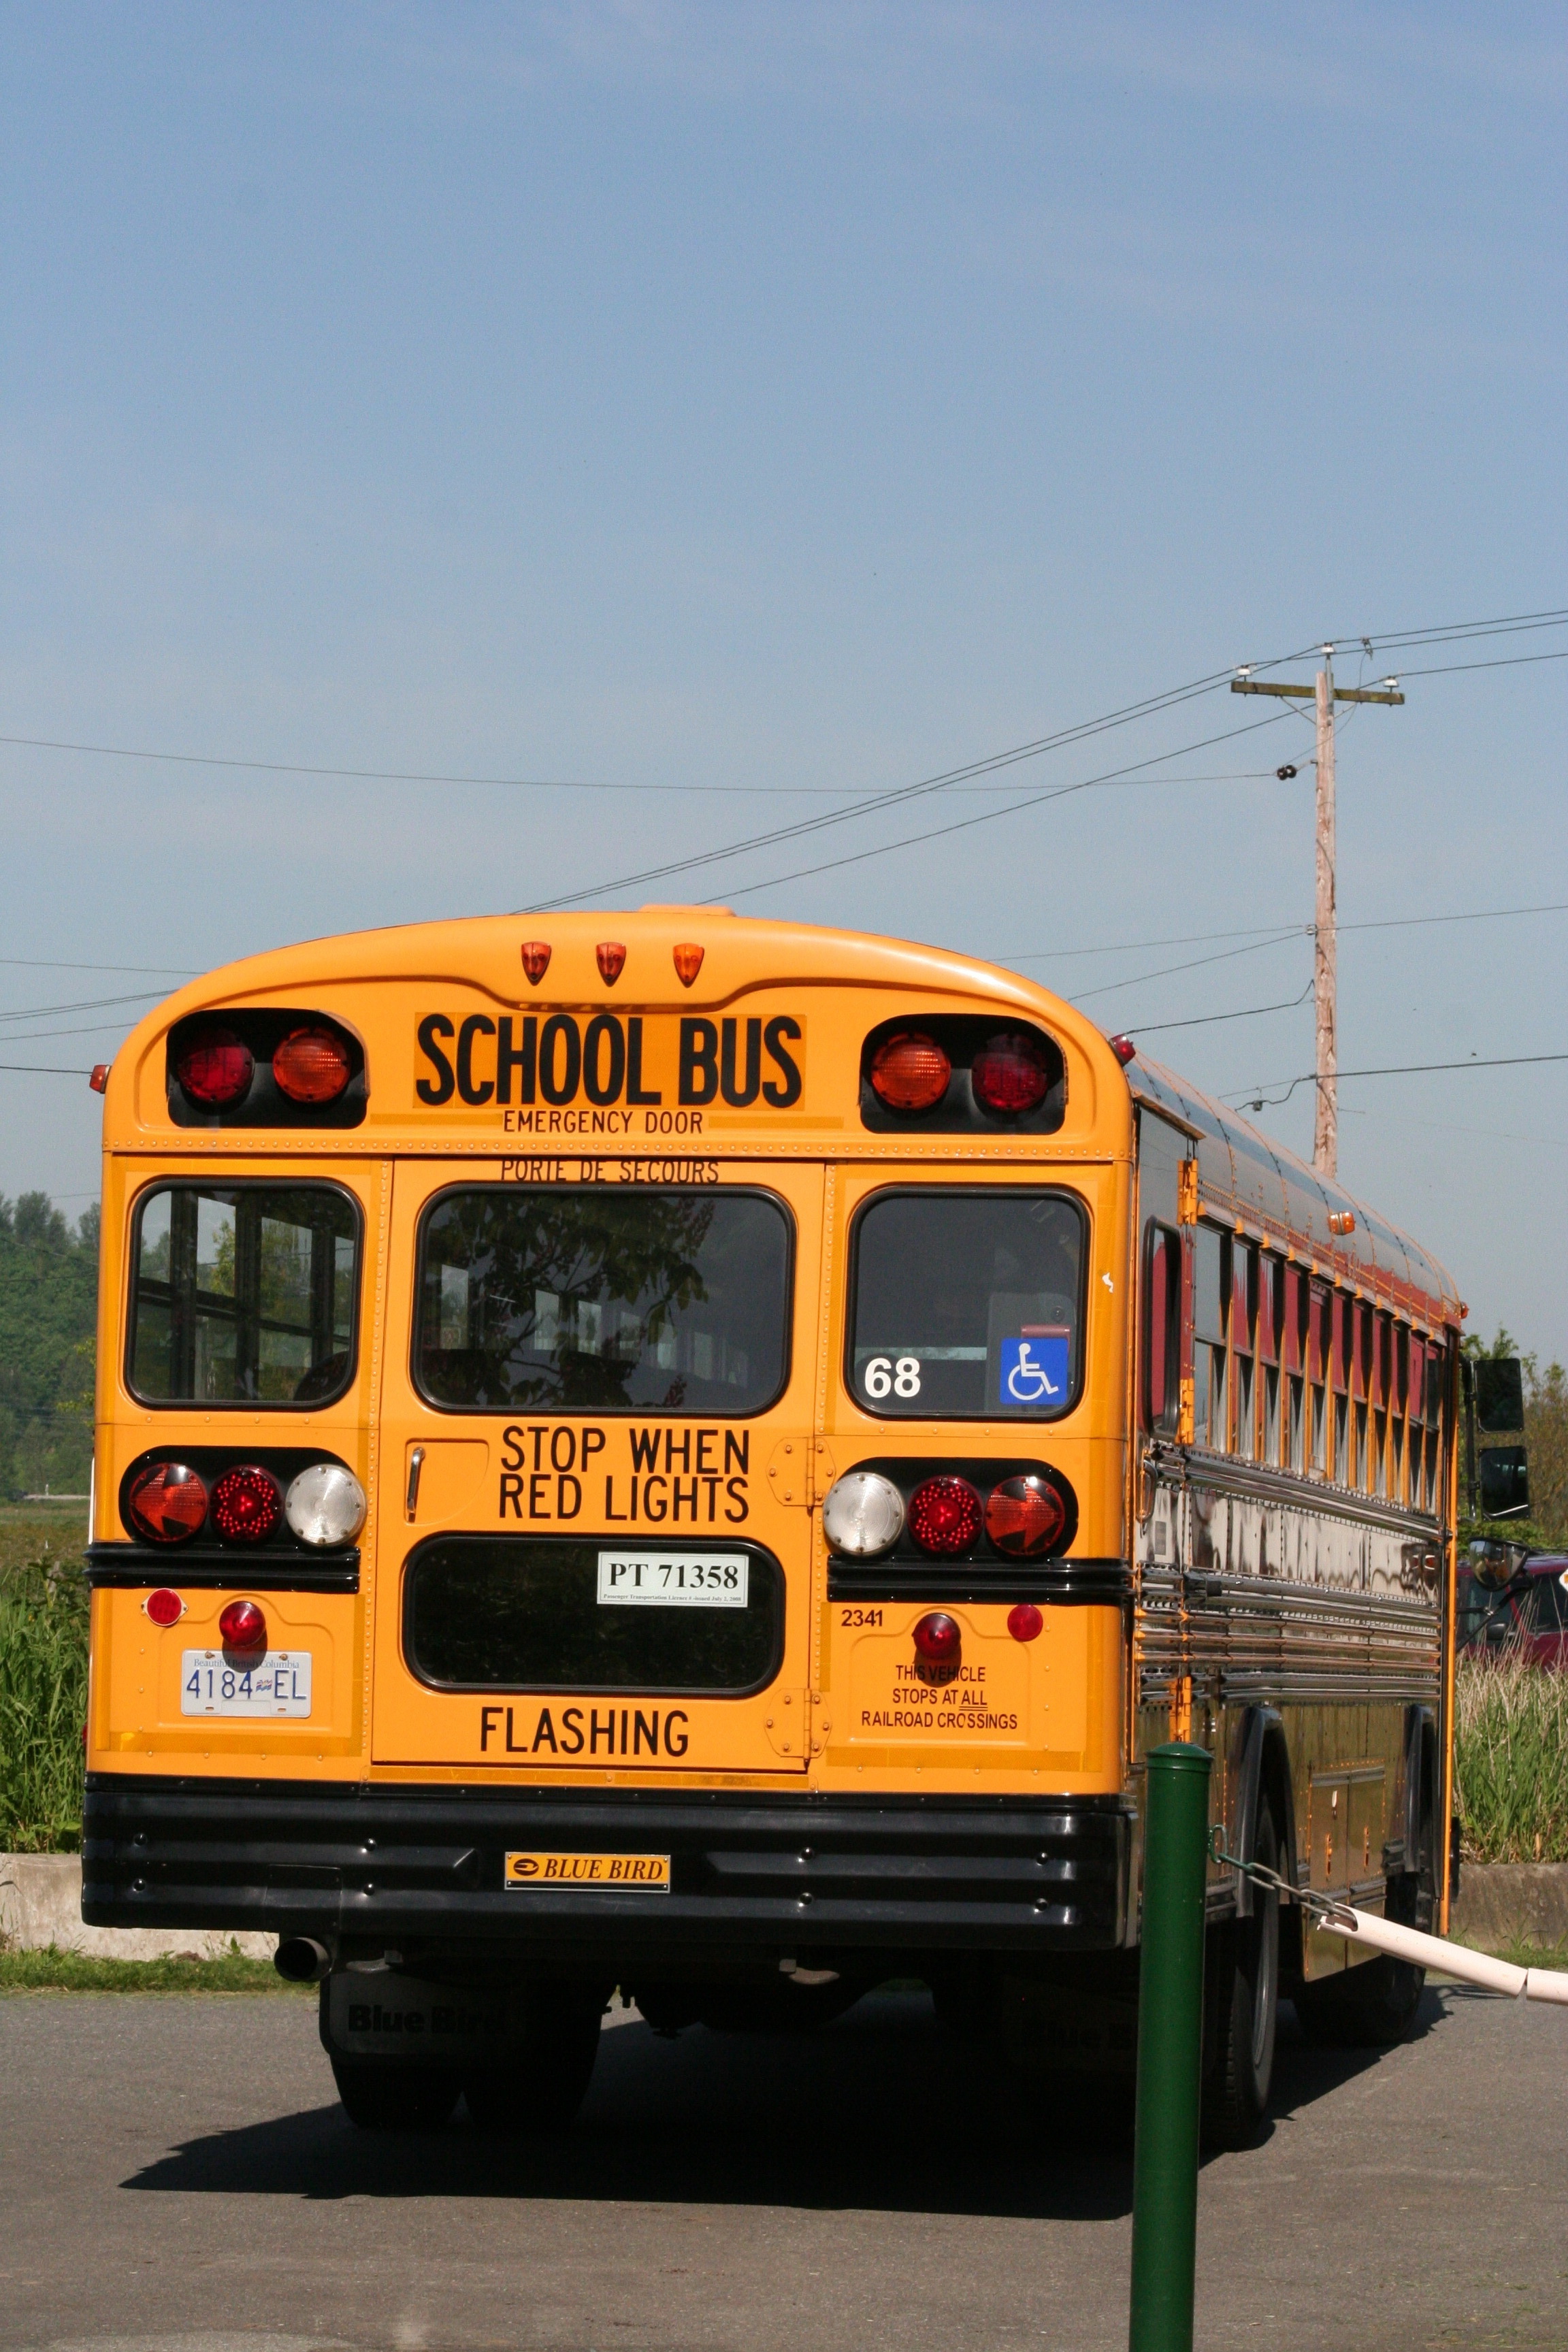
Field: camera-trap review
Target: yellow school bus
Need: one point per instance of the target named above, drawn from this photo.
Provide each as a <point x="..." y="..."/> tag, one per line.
<point x="696" y="1454"/>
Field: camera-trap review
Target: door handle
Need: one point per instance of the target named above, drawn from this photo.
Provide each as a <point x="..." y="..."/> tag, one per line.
<point x="416" y="1464"/>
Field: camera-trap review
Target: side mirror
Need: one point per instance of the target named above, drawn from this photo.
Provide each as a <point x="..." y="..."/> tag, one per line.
<point x="1499" y="1393"/>
<point x="1504" y="1481"/>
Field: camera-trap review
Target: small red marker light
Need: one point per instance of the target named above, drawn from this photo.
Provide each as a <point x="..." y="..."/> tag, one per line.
<point x="610" y="957"/>
<point x="1025" y="1622"/>
<point x="909" y="1071"/>
<point x="1023" y="1517"/>
<point x="687" y="958"/>
<point x="536" y="959"/>
<point x="246" y="1504"/>
<point x="312" y="1065"/>
<point x="939" y="1646"/>
<point x="1124" y="1050"/>
<point x="167" y="1503"/>
<point x="163" y="1607"/>
<point x="1010" y="1073"/>
<point x="242" y="1626"/>
<point x="215" y="1068"/>
<point x="97" y="1079"/>
<point x="943" y="1517"/>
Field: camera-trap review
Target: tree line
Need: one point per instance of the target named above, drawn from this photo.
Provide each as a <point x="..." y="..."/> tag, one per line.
<point x="48" y="1306"/>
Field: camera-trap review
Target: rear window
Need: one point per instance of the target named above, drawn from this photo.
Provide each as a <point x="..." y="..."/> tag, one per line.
<point x="967" y="1305"/>
<point x="598" y="1301"/>
<point x="243" y="1294"/>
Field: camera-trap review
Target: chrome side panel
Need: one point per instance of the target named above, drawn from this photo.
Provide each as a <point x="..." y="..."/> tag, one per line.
<point x="1256" y="1590"/>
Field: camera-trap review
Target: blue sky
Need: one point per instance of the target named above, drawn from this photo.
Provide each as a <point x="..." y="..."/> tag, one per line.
<point x="794" y="403"/>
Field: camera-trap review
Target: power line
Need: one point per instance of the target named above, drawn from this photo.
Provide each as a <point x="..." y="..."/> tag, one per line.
<point x="1277" y="932"/>
<point x="47" y="963"/>
<point x="1151" y="706"/>
<point x="1394" y="1070"/>
<point x="83" y="1004"/>
<point x="1197" y="963"/>
<point x="1207" y="1020"/>
<point x="1120" y="778"/>
<point x="45" y="1070"/>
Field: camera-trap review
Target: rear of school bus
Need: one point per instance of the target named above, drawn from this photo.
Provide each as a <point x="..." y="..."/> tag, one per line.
<point x="611" y="1470"/>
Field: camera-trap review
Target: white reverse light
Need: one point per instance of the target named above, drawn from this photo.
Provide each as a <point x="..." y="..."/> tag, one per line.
<point x="863" y="1514"/>
<point x="325" y="1505"/>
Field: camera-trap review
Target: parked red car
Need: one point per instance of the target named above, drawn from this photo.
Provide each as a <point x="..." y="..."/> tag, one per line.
<point x="1513" y="1603"/>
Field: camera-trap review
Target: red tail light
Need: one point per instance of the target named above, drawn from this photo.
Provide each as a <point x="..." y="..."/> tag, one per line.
<point x="246" y="1504"/>
<point x="167" y="1503"/>
<point x="909" y="1071"/>
<point x="215" y="1068"/>
<point x="938" y="1641"/>
<point x="1025" y="1622"/>
<point x="1124" y="1050"/>
<point x="163" y="1607"/>
<point x="1010" y="1073"/>
<point x="1023" y="1517"/>
<point x="536" y="959"/>
<point x="944" y="1517"/>
<point x="312" y="1065"/>
<point x="610" y="957"/>
<point x="242" y="1626"/>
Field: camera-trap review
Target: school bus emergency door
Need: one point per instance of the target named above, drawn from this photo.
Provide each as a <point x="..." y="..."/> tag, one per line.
<point x="570" y="1589"/>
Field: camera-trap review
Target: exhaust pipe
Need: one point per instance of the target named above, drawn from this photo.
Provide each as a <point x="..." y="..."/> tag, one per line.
<point x="299" y="1960"/>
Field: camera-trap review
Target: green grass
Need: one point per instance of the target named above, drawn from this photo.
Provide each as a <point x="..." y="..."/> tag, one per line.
<point x="43" y="1705"/>
<point x="57" y="1971"/>
<point x="32" y="1531"/>
<point x="1511" y="1760"/>
<point x="1521" y="1953"/>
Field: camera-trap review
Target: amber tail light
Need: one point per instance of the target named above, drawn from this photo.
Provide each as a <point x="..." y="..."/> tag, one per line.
<point x="167" y="1504"/>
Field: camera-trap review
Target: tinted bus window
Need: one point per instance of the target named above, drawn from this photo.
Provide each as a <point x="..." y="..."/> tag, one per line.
<point x="967" y="1305"/>
<point x="671" y="1301"/>
<point x="243" y="1294"/>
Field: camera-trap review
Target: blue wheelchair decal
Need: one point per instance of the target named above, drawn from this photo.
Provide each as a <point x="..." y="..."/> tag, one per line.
<point x="1034" y="1369"/>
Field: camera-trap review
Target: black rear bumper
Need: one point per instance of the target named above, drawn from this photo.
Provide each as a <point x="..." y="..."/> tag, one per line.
<point x="751" y="1876"/>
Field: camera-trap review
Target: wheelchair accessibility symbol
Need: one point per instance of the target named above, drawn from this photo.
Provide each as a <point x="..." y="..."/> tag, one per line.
<point x="1034" y="1369"/>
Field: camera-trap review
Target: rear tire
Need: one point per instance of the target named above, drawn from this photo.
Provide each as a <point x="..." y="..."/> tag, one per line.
<point x="1375" y="2006"/>
<point x="388" y="2095"/>
<point x="1242" y="2009"/>
<point x="541" y="2090"/>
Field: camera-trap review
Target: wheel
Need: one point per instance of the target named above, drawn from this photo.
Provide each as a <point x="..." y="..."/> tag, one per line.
<point x="388" y="2095"/>
<point x="541" y="2090"/>
<point x="1242" y="2006"/>
<point x="1372" y="2007"/>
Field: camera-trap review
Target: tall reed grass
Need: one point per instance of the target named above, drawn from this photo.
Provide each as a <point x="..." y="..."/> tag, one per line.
<point x="1511" y="1760"/>
<point x="43" y="1706"/>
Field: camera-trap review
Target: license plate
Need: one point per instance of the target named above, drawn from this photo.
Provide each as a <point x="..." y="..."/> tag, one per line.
<point x="558" y="1873"/>
<point x="673" y="1580"/>
<point x="212" y="1684"/>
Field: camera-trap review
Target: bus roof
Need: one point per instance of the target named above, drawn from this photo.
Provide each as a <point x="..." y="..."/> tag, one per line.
<point x="1243" y="1176"/>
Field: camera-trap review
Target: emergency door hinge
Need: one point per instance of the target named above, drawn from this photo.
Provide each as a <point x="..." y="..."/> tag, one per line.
<point x="800" y="1471"/>
<point x="788" y="1724"/>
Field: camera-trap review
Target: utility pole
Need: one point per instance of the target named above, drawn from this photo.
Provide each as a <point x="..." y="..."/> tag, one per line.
<point x="1325" y="941"/>
<point x="1325" y="937"/>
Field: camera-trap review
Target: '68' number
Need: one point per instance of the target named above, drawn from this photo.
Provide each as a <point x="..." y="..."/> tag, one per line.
<point x="885" y="1376"/>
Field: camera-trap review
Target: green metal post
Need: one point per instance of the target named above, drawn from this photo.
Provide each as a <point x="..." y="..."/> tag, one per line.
<point x="1169" y="2048"/>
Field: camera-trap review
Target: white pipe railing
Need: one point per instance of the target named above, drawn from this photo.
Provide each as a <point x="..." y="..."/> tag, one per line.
<point x="1453" y="1959"/>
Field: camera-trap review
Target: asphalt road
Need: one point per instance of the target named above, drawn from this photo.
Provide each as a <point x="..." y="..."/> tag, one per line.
<point x="175" y="2173"/>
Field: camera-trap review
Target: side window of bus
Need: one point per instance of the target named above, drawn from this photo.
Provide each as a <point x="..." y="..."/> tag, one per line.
<point x="243" y="1294"/>
<point x="1163" y="1329"/>
<point x="1211" y="1300"/>
<point x="967" y="1305"/>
